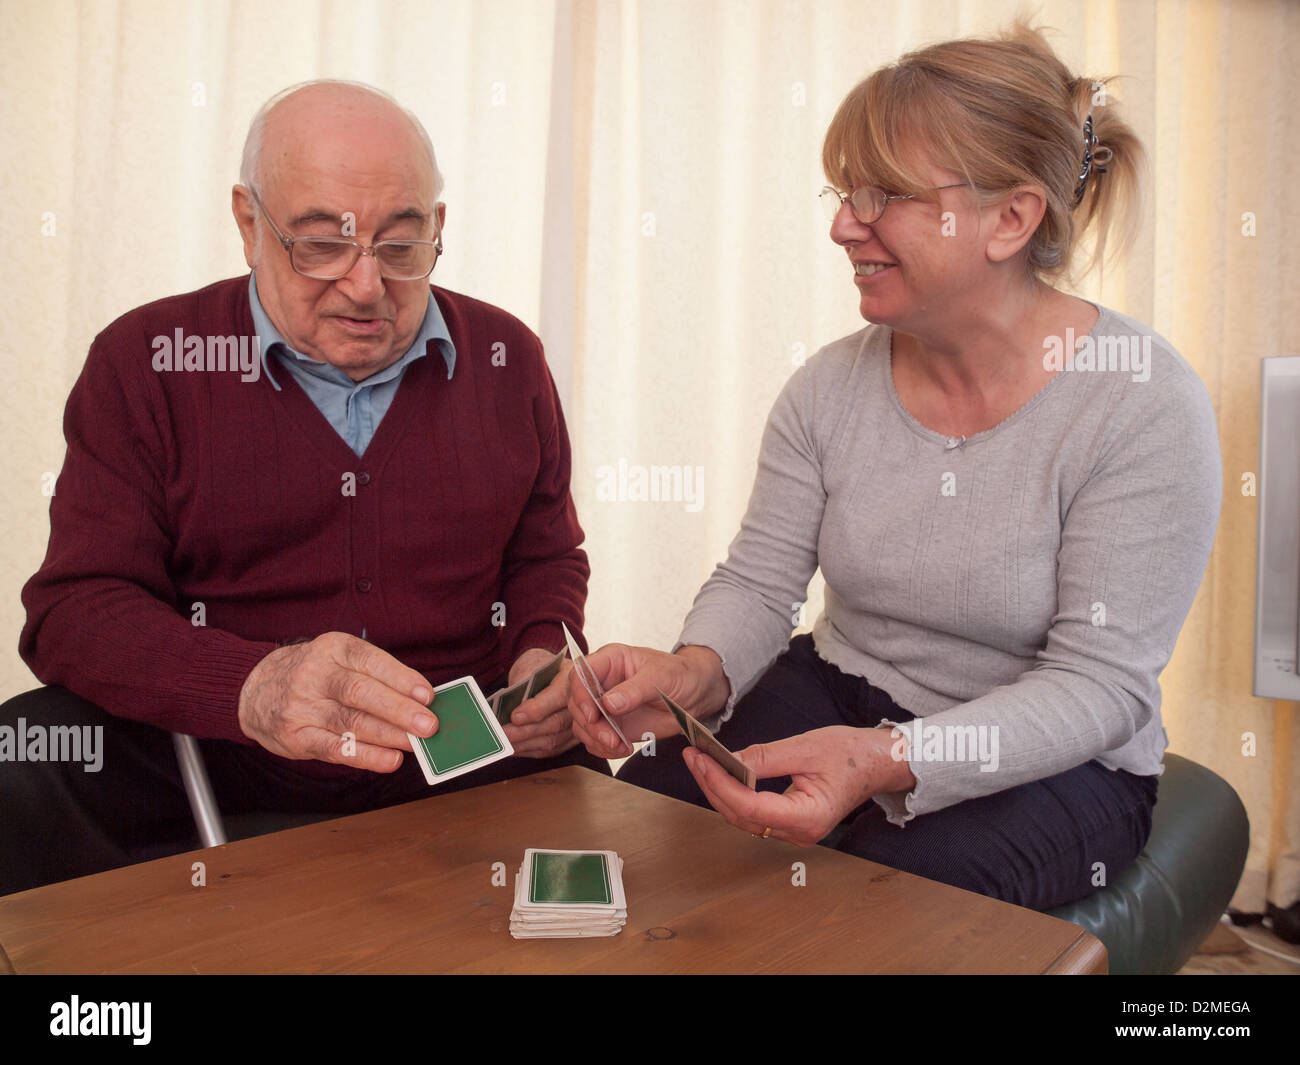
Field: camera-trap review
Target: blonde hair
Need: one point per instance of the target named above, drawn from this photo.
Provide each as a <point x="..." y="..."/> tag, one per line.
<point x="1002" y="112"/>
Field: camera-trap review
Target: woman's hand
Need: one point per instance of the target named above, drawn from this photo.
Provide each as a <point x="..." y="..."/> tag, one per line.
<point x="630" y="676"/>
<point x="834" y="771"/>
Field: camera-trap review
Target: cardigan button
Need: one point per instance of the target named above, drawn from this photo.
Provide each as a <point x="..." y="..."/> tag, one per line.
<point x="364" y="584"/>
<point x="363" y="477"/>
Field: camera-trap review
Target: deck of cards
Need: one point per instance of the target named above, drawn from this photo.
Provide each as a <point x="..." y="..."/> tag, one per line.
<point x="568" y="894"/>
<point x="468" y="737"/>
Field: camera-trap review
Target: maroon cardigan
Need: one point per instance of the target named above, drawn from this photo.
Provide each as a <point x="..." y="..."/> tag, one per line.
<point x="185" y="488"/>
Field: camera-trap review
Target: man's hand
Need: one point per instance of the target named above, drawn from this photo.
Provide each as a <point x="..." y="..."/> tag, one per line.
<point x="630" y="676"/>
<point x="833" y="771"/>
<point x="300" y="700"/>
<point x="541" y="726"/>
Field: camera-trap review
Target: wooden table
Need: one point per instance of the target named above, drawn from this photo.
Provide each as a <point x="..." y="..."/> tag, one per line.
<point x="411" y="889"/>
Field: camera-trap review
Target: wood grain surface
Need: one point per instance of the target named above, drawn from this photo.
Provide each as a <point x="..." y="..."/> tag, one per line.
<point x="410" y="890"/>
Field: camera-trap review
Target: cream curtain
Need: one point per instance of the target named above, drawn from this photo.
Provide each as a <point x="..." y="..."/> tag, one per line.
<point x="637" y="181"/>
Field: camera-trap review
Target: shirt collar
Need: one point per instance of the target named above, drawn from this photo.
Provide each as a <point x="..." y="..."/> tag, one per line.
<point x="432" y="329"/>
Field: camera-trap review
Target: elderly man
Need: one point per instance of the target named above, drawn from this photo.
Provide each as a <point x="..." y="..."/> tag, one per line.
<point x="283" y="557"/>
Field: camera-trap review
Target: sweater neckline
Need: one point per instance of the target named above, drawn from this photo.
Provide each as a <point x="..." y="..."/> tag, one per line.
<point x="415" y="383"/>
<point x="305" y="414"/>
<point x="952" y="443"/>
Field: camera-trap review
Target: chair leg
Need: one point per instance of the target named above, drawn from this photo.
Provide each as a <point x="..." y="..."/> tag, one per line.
<point x="203" y="804"/>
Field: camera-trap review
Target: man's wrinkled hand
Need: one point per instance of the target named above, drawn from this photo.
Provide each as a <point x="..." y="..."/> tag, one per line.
<point x="541" y="726"/>
<point x="336" y="699"/>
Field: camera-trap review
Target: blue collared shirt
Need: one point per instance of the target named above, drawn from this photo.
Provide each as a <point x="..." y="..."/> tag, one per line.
<point x="353" y="408"/>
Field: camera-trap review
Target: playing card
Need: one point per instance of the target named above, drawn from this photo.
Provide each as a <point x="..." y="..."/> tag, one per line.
<point x="468" y="737"/>
<point x="508" y="699"/>
<point x="572" y="878"/>
<point x="589" y="681"/>
<point x="505" y="701"/>
<point x="704" y="741"/>
<point x="544" y="674"/>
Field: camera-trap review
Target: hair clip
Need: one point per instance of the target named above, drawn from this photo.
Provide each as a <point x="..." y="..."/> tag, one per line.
<point x="1094" y="156"/>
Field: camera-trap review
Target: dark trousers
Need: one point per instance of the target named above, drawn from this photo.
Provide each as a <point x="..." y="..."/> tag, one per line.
<point x="1036" y="845"/>
<point x="59" y="821"/>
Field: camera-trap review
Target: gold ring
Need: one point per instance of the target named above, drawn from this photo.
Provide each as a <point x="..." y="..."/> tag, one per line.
<point x="766" y="832"/>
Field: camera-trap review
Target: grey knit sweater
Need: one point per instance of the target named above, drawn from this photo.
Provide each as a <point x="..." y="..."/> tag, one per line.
<point x="1020" y="591"/>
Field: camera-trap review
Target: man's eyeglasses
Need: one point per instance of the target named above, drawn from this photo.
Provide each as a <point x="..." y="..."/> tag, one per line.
<point x="329" y="258"/>
<point x="867" y="202"/>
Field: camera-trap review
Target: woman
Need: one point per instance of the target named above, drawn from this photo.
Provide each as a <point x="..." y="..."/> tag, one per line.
<point x="1011" y="493"/>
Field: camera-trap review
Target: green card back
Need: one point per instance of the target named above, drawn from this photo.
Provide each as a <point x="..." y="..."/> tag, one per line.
<point x="463" y="735"/>
<point x="575" y="878"/>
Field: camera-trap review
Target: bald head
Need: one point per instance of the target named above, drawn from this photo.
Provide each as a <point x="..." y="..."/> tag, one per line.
<point x="326" y="101"/>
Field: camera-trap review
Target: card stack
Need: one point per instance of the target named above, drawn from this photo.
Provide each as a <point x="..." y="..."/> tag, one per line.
<point x="567" y="894"/>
